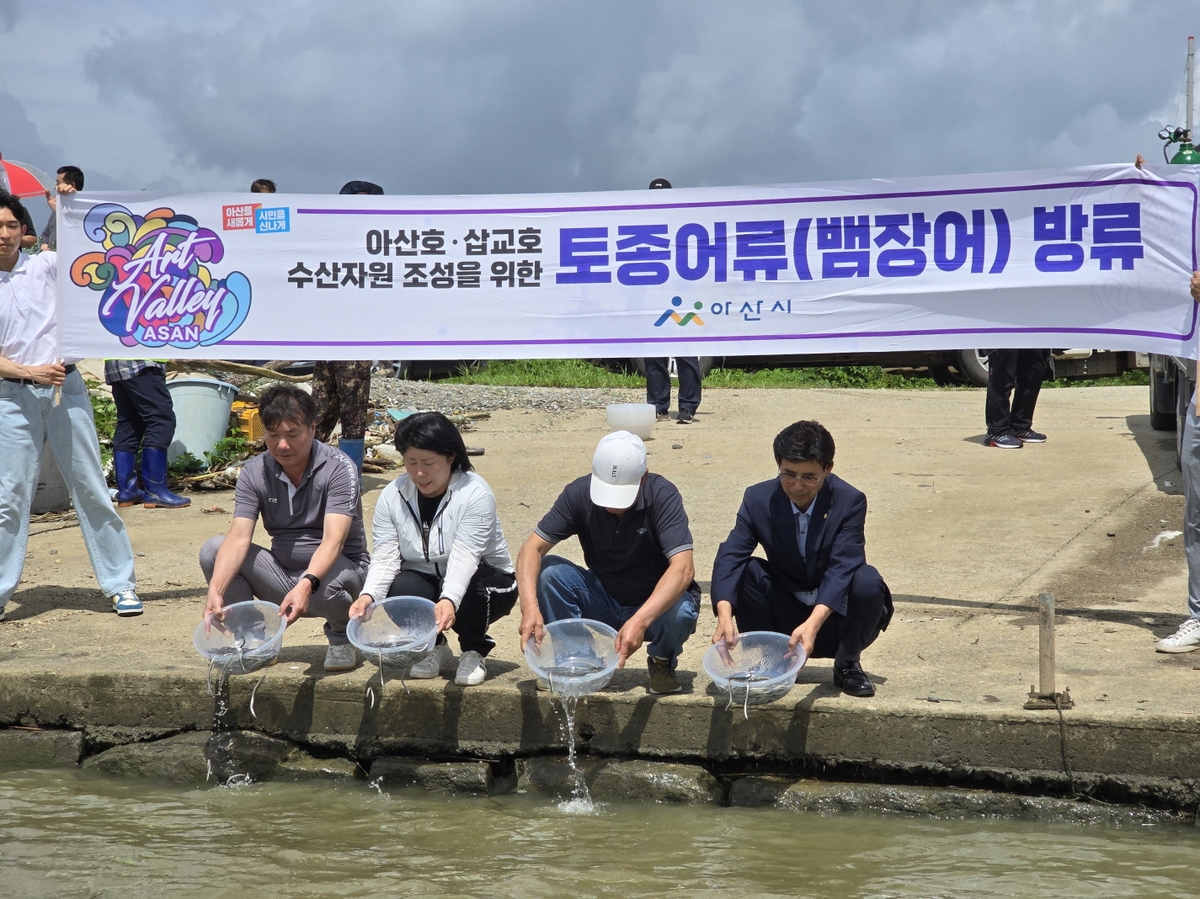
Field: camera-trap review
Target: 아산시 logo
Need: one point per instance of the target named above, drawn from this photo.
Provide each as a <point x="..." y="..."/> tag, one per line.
<point x="670" y="315"/>
<point x="155" y="279"/>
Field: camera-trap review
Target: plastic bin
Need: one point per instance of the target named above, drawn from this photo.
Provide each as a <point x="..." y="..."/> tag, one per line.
<point x="202" y="407"/>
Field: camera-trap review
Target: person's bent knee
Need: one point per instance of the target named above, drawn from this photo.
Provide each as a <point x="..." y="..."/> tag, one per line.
<point x="208" y="555"/>
<point x="557" y="570"/>
<point x="867" y="582"/>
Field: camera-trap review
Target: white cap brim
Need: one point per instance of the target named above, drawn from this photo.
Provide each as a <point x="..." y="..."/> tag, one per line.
<point x="614" y="496"/>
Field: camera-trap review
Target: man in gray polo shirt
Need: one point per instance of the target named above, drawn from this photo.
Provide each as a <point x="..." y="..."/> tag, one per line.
<point x="308" y="497"/>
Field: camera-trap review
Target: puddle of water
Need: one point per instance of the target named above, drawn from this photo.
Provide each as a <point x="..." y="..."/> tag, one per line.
<point x="72" y="833"/>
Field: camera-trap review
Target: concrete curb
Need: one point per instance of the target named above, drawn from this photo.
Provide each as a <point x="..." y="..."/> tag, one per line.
<point x="1150" y="760"/>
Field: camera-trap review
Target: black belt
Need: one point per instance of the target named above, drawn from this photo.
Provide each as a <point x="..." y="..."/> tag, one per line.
<point x="70" y="368"/>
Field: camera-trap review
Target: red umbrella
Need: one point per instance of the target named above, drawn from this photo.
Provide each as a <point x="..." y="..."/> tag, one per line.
<point x="23" y="180"/>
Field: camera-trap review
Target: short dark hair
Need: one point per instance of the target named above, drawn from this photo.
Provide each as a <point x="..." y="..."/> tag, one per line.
<point x="72" y="174"/>
<point x="361" y="187"/>
<point x="262" y="186"/>
<point x="660" y="184"/>
<point x="434" y="433"/>
<point x="16" y="207"/>
<point x="804" y="441"/>
<point x="285" y="402"/>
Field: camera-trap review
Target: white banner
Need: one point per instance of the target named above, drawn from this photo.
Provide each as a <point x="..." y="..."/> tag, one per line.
<point x="1089" y="257"/>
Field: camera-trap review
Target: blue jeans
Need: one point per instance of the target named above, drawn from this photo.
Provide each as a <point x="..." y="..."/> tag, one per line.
<point x="29" y="418"/>
<point x="565" y="590"/>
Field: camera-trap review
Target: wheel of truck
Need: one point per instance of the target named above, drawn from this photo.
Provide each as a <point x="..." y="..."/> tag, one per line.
<point x="1162" y="401"/>
<point x="706" y="364"/>
<point x="973" y="366"/>
<point x="1183" y="399"/>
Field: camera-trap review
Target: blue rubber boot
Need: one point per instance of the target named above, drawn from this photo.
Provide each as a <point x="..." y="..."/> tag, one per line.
<point x="125" y="467"/>
<point x="355" y="450"/>
<point x="154" y="480"/>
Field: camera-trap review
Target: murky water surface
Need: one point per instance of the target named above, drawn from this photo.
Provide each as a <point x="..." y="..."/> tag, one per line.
<point x="72" y="834"/>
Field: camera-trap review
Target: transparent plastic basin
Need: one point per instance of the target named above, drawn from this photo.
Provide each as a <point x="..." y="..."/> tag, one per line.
<point x="636" y="418"/>
<point x="248" y="636"/>
<point x="396" y="632"/>
<point x="757" y="669"/>
<point x="578" y="656"/>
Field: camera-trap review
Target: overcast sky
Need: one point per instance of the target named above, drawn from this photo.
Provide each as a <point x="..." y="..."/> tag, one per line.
<point x="498" y="96"/>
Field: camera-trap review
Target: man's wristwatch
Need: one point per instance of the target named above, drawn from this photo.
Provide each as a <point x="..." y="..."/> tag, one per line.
<point x="312" y="579"/>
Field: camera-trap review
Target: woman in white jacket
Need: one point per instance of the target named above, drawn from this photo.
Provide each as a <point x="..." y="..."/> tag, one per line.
<point x="437" y="535"/>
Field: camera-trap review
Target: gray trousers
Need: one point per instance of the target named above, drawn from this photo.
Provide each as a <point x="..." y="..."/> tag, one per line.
<point x="1189" y="462"/>
<point x="262" y="576"/>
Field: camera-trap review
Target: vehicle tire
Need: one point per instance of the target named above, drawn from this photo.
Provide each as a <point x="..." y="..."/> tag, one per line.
<point x="945" y="376"/>
<point x="1183" y="399"/>
<point x="973" y="366"/>
<point x="1162" y="401"/>
<point x="400" y="369"/>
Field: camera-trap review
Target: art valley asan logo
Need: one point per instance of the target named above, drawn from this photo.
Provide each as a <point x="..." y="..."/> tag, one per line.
<point x="155" y="277"/>
<point x="670" y="315"/>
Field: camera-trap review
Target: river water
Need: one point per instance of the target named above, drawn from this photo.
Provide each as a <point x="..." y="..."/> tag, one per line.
<point x="73" y="834"/>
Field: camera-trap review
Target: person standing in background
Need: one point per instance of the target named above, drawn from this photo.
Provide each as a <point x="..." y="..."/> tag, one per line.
<point x="68" y="180"/>
<point x="342" y="390"/>
<point x="262" y="186"/>
<point x="43" y="400"/>
<point x="658" y="372"/>
<point x="145" y="422"/>
<point x="1019" y="374"/>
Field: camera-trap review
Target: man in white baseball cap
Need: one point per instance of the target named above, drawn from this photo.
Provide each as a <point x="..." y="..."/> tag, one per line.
<point x="640" y="576"/>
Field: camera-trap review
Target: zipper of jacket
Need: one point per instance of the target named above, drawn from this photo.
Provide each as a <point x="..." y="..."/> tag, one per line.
<point x="427" y="528"/>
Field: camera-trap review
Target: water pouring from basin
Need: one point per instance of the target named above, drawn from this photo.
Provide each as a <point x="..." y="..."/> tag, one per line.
<point x="245" y="637"/>
<point x="577" y="657"/>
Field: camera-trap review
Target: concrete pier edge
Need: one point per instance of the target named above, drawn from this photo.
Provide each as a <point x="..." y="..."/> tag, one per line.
<point x="1149" y="762"/>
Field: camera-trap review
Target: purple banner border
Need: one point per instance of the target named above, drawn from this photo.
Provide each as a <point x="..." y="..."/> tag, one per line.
<point x="612" y="341"/>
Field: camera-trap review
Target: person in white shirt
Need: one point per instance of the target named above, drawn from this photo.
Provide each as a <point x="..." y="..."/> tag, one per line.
<point x="437" y="535"/>
<point x="44" y="401"/>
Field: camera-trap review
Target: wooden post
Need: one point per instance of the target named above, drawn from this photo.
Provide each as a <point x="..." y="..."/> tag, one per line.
<point x="1046" y="644"/>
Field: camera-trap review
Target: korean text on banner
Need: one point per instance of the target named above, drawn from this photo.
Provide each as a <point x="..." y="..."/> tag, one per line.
<point x="1095" y="257"/>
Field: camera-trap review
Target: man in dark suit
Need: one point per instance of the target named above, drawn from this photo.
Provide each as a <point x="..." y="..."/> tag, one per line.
<point x="815" y="583"/>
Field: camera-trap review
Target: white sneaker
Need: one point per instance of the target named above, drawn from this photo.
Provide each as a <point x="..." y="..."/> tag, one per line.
<point x="126" y="603"/>
<point x="1185" y="639"/>
<point x="341" y="658"/>
<point x="432" y="665"/>
<point x="471" y="670"/>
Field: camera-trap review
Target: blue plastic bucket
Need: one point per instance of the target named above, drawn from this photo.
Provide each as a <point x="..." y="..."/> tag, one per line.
<point x="202" y="408"/>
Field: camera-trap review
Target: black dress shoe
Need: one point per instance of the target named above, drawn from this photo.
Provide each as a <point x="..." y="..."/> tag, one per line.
<point x="853" y="680"/>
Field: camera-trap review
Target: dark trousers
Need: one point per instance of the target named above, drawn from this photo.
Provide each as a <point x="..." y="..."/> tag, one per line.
<point x="145" y="415"/>
<point x="658" y="383"/>
<point x="342" y="390"/>
<point x="1018" y="373"/>
<point x="490" y="596"/>
<point x="762" y="606"/>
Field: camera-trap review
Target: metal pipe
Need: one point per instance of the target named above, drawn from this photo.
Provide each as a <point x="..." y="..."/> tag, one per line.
<point x="1191" y="53"/>
<point x="1046" y="644"/>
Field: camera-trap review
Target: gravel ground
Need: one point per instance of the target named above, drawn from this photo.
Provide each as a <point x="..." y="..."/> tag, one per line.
<point x="437" y="396"/>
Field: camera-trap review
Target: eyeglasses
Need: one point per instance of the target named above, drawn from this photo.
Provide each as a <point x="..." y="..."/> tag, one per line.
<point x="806" y="479"/>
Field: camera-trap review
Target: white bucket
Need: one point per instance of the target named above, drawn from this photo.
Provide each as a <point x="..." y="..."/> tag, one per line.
<point x="202" y="407"/>
<point x="637" y="418"/>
